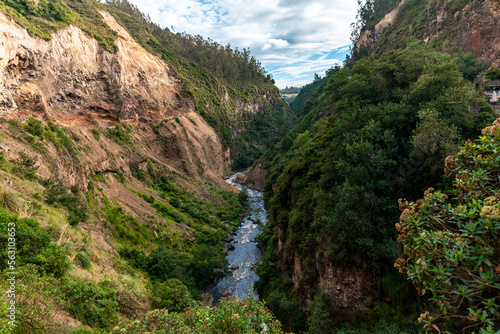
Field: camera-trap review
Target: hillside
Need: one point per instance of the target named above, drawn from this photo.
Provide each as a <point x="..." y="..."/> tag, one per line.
<point x="236" y="99"/>
<point x="457" y="26"/>
<point x="116" y="138"/>
<point x="369" y="135"/>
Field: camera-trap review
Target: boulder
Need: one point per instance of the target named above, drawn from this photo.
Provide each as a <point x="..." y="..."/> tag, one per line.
<point x="240" y="178"/>
<point x="234" y="266"/>
<point x="230" y="247"/>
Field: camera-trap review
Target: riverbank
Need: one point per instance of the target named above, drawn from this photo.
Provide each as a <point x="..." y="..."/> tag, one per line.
<point x="243" y="252"/>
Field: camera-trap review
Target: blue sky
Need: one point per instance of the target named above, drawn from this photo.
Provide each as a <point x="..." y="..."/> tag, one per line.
<point x="293" y="39"/>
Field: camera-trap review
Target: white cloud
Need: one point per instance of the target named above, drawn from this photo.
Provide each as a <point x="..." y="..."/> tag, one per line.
<point x="278" y="32"/>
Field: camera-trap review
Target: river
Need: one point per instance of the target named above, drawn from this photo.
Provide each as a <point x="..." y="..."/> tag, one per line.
<point x="245" y="253"/>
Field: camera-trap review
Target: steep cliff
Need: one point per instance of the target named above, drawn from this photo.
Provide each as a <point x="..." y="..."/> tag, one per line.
<point x="450" y="26"/>
<point x="114" y="150"/>
<point x="366" y="137"/>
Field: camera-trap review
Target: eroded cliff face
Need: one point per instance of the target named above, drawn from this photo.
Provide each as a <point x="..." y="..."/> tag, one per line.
<point x="73" y="81"/>
<point x="73" y="73"/>
<point x="474" y="28"/>
<point x="256" y="178"/>
<point x="347" y="286"/>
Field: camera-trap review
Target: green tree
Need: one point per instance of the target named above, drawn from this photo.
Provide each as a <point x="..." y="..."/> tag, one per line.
<point x="451" y="243"/>
<point x="171" y="295"/>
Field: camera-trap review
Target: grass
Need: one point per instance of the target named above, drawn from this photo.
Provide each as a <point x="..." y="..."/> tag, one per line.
<point x="83" y="259"/>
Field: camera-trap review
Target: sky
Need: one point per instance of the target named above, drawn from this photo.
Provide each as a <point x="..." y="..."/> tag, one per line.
<point x="293" y="39"/>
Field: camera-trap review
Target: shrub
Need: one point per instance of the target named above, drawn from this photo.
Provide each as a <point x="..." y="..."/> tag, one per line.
<point x="231" y="316"/>
<point x="83" y="259"/>
<point x="94" y="304"/>
<point x="34" y="127"/>
<point x="33" y="245"/>
<point x="175" y="202"/>
<point x="171" y="295"/>
<point x="26" y="165"/>
<point x="136" y="258"/>
<point x="120" y="134"/>
<point x="56" y="193"/>
<point x="37" y="299"/>
<point x="451" y="243"/>
<point x="493" y="74"/>
<point x="120" y="177"/>
<point x="51" y="260"/>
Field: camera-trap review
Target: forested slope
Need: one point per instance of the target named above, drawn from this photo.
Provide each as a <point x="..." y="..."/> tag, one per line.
<point x="377" y="132"/>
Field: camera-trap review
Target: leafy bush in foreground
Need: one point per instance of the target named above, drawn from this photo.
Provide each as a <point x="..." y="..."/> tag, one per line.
<point x="232" y="316"/>
<point x="451" y="244"/>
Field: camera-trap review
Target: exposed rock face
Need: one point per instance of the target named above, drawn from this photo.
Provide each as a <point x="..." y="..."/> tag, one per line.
<point x="477" y="29"/>
<point x="256" y="178"/>
<point x="73" y="80"/>
<point x="73" y="73"/>
<point x="368" y="36"/>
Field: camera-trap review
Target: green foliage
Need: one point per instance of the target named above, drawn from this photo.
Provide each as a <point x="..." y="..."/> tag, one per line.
<point x="377" y="131"/>
<point x="120" y="177"/>
<point x="125" y="226"/>
<point x="305" y="94"/>
<point x="32" y="245"/>
<point x="194" y="272"/>
<point x="39" y="299"/>
<point x="214" y="77"/>
<point x="493" y="74"/>
<point x="135" y="257"/>
<point x="41" y="18"/>
<point x="175" y="202"/>
<point x="451" y="243"/>
<point x="171" y="295"/>
<point x="243" y="196"/>
<point x="231" y="316"/>
<point x="120" y="134"/>
<point x="34" y="127"/>
<point x="455" y="5"/>
<point x="469" y="67"/>
<point x="57" y="193"/>
<point x="263" y="130"/>
<point x="382" y="327"/>
<point x="26" y="165"/>
<point x="83" y="259"/>
<point x="320" y="321"/>
<point x="94" y="304"/>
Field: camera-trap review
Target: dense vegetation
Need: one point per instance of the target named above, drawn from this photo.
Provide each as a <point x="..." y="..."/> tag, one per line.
<point x="231" y="316"/>
<point x="416" y="19"/>
<point x="181" y="234"/>
<point x="377" y="132"/>
<point x="305" y="94"/>
<point x="451" y="244"/>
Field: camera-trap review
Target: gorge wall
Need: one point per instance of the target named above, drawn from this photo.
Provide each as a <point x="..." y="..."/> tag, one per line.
<point x="452" y="26"/>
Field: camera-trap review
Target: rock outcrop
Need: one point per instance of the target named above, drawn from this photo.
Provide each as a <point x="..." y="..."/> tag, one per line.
<point x="72" y="80"/>
<point x="255" y="179"/>
<point x="474" y="29"/>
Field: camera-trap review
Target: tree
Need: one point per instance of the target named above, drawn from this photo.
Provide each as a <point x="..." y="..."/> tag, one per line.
<point x="171" y="295"/>
<point x="451" y="244"/>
